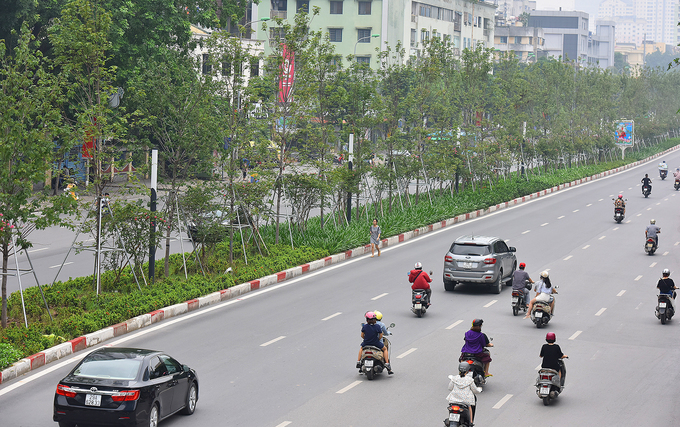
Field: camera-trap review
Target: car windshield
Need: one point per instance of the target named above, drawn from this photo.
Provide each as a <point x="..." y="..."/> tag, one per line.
<point x="469" y="249"/>
<point x="110" y="368"/>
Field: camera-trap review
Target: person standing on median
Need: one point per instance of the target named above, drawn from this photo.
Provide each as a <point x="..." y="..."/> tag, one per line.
<point x="375" y="237"/>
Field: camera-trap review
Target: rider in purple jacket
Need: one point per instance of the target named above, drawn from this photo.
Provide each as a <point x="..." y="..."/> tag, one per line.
<point x="475" y="341"/>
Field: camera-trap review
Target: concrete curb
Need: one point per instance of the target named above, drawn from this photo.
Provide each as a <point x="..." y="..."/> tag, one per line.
<point x="55" y="353"/>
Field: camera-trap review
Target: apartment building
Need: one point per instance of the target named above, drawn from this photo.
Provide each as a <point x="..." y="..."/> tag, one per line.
<point x="527" y="43"/>
<point x="565" y="33"/>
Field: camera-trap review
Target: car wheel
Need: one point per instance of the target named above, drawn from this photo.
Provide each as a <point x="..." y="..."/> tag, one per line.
<point x="192" y="398"/>
<point x="449" y="285"/>
<point x="497" y="286"/>
<point x="153" y="416"/>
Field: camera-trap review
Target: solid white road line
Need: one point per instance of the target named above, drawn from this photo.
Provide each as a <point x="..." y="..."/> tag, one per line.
<point x="332" y="316"/>
<point x="567" y="258"/>
<point x="601" y="237"/>
<point x="37" y="250"/>
<point x="573" y="337"/>
<point x="525" y="232"/>
<point x="406" y="353"/>
<point x="652" y="264"/>
<point x="489" y="304"/>
<point x="502" y="401"/>
<point x="638" y="278"/>
<point x="349" y="387"/>
<point x="273" y="341"/>
<point x="544" y="224"/>
<point x="621" y="293"/>
<point x="560" y="217"/>
<point x="59" y="265"/>
<point x="379" y="296"/>
<point x="284" y="424"/>
<point x="454" y="324"/>
<point x="600" y="312"/>
<point x="586" y="247"/>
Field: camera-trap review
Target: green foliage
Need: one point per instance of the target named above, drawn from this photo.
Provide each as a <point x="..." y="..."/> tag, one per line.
<point x="8" y="355"/>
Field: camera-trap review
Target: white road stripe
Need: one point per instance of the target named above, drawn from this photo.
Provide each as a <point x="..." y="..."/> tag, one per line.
<point x="59" y="265"/>
<point x="601" y="237"/>
<point x="649" y="209"/>
<point x="638" y="307"/>
<point x="600" y="311"/>
<point x="502" y="401"/>
<point x="406" y="353"/>
<point x="638" y="215"/>
<point x="454" y="324"/>
<point x="273" y="341"/>
<point x="621" y="293"/>
<point x="544" y="224"/>
<point x="627" y="222"/>
<point x="573" y="337"/>
<point x="630" y="188"/>
<point x="567" y="258"/>
<point x="574" y="211"/>
<point x="589" y="204"/>
<point x="586" y="247"/>
<point x="37" y="250"/>
<point x="652" y="264"/>
<point x="600" y="200"/>
<point x="525" y="232"/>
<point x="596" y="355"/>
<point x="332" y="316"/>
<point x="379" y="296"/>
<point x="676" y="244"/>
<point x="638" y="278"/>
<point x="615" y="228"/>
<point x="560" y="217"/>
<point x="285" y="423"/>
<point x="491" y="303"/>
<point x="349" y="387"/>
<point x="658" y="203"/>
<point x="665" y="253"/>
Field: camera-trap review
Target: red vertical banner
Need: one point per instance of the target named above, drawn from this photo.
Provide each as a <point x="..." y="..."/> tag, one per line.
<point x="88" y="144"/>
<point x="287" y="74"/>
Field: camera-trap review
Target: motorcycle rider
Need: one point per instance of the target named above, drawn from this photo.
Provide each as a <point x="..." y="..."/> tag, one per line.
<point x="372" y="335"/>
<point x="663" y="166"/>
<point x="619" y="202"/>
<point x="544" y="291"/>
<point x="552" y="355"/>
<point x="463" y="388"/>
<point x="519" y="279"/>
<point x="652" y="232"/>
<point x="647" y="182"/>
<point x="666" y="286"/>
<point x="676" y="174"/>
<point x="420" y="280"/>
<point x="475" y="341"/>
<point x="383" y="328"/>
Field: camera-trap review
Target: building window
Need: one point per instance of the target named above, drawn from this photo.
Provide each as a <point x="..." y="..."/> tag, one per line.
<point x="226" y="68"/>
<point x="504" y="39"/>
<point x="207" y="68"/>
<point x="425" y="10"/>
<point x="424" y="36"/>
<point x="364" y="8"/>
<point x="364" y="35"/>
<point x="336" y="8"/>
<point x="335" y="34"/>
<point x="518" y="40"/>
<point x="276" y="33"/>
<point x="303" y="4"/>
<point x="414" y="37"/>
<point x="255" y="67"/>
<point x="364" y="60"/>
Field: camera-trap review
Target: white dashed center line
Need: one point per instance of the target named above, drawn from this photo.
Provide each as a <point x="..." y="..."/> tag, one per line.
<point x="349" y="387"/>
<point x="665" y="253"/>
<point x="586" y="247"/>
<point x="600" y="311"/>
<point x="658" y="203"/>
<point x="285" y="423"/>
<point x="332" y="316"/>
<point x="601" y="237"/>
<point x="59" y="265"/>
<point x="489" y="304"/>
<point x="406" y="353"/>
<point x="454" y="324"/>
<point x="567" y="258"/>
<point x="638" y="278"/>
<point x="273" y="341"/>
<point x="379" y="296"/>
<point x="560" y="217"/>
<point x="638" y="215"/>
<point x="577" y="333"/>
<point x="544" y="224"/>
<point x="676" y="244"/>
<point x="589" y="204"/>
<point x="37" y="250"/>
<point x="575" y="210"/>
<point x="649" y="209"/>
<point x="652" y="264"/>
<point x="627" y="222"/>
<point x="621" y="293"/>
<point x="525" y="232"/>
<point x="600" y="200"/>
<point x="502" y="401"/>
<point x="616" y="228"/>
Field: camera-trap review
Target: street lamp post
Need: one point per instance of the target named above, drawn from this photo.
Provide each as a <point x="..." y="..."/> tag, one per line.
<point x="359" y="41"/>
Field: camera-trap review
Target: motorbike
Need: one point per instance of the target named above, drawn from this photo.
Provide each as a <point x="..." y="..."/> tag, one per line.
<point x="650" y="246"/>
<point x="459" y="414"/>
<point x="518" y="302"/>
<point x="419" y="301"/>
<point x="549" y="385"/>
<point x="664" y="308"/>
<point x="618" y="214"/>
<point x="476" y="366"/>
<point x="646" y="190"/>
<point x="663" y="173"/>
<point x="541" y="313"/>
<point x="677" y="184"/>
<point x="372" y="360"/>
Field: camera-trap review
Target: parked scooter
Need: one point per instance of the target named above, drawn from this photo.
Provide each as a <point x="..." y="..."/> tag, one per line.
<point x="372" y="360"/>
<point x="518" y="302"/>
<point x="664" y="308"/>
<point x="419" y="300"/>
<point x="650" y="246"/>
<point x="549" y="385"/>
<point x="459" y="414"/>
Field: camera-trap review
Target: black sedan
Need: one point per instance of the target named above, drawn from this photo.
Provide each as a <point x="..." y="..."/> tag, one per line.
<point x="125" y="387"/>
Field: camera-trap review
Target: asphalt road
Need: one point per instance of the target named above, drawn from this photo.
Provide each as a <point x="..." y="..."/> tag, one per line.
<point x="285" y="355"/>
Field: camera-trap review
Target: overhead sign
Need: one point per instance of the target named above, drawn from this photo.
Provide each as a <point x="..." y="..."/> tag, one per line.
<point x="624" y="133"/>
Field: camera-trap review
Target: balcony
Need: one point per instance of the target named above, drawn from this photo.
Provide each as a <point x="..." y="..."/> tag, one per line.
<point x="278" y="14"/>
<point x="414" y="18"/>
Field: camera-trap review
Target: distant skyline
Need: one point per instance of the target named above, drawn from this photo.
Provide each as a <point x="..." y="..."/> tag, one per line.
<point x="588" y="6"/>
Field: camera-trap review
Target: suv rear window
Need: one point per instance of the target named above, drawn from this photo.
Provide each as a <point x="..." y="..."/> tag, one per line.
<point x="469" y="249"/>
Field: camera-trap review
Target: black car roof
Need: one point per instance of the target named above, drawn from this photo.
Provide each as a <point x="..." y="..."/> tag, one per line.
<point x="128" y="352"/>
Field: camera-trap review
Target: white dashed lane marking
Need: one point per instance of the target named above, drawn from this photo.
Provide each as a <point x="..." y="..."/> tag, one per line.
<point x="379" y="296"/>
<point x="560" y="217"/>
<point x="492" y="302"/>
<point x="586" y="247"/>
<point x="37" y="250"/>
<point x="589" y="204"/>
<point x="638" y="307"/>
<point x="621" y="293"/>
<point x="59" y="265"/>
<point x="628" y="222"/>
<point x="665" y="253"/>
<point x="285" y="423"/>
<point x="658" y="203"/>
<point x="502" y="401"/>
<point x="676" y="244"/>
<point x="600" y="200"/>
<point x="573" y="337"/>
<point x="638" y="278"/>
<point x="649" y="209"/>
<point x="596" y="355"/>
<point x="332" y="316"/>
<point x="638" y="215"/>
<point x="652" y="264"/>
<point x="599" y="313"/>
<point x="349" y="387"/>
<point x="454" y="324"/>
<point x="616" y="228"/>
<point x="575" y="210"/>
<point x="526" y="231"/>
<point x="544" y="224"/>
<point x="567" y="258"/>
<point x="601" y="237"/>
<point x="273" y="341"/>
<point x="406" y="353"/>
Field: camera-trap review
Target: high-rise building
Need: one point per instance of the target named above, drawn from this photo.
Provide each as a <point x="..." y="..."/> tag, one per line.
<point x="565" y="33"/>
<point x="638" y="20"/>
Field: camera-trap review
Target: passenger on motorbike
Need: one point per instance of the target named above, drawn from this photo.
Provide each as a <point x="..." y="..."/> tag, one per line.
<point x="652" y="231"/>
<point x="463" y="388"/>
<point x="519" y="279"/>
<point x="666" y="286"/>
<point x="544" y="291"/>
<point x="619" y="202"/>
<point x="676" y="174"/>
<point x="475" y="341"/>
<point x="552" y="355"/>
<point x="372" y="335"/>
<point x="647" y="182"/>
<point x="420" y="280"/>
<point x="383" y="328"/>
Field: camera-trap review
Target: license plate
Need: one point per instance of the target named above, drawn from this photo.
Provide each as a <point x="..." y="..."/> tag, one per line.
<point x="662" y="305"/>
<point x="418" y="306"/>
<point x="368" y="363"/>
<point x="469" y="264"/>
<point x="93" y="400"/>
<point x="514" y="300"/>
<point x="545" y="390"/>
<point x="454" y="417"/>
<point x="538" y="314"/>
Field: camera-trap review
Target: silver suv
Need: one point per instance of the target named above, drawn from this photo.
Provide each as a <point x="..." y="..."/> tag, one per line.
<point x="479" y="259"/>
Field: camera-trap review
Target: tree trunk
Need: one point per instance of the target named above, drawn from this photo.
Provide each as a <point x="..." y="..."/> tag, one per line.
<point x="5" y="258"/>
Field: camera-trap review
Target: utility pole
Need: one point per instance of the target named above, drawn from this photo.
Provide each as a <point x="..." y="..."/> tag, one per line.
<point x="349" y="189"/>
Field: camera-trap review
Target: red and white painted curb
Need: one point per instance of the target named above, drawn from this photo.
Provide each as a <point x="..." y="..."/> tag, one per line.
<point x="81" y="343"/>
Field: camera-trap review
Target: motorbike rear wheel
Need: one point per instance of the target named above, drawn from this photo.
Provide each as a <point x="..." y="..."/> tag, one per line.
<point x="370" y="374"/>
<point x="515" y="310"/>
<point x="546" y="400"/>
<point x="419" y="313"/>
<point x="663" y="319"/>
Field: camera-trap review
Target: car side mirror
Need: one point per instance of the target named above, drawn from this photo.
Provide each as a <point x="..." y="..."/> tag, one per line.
<point x="186" y="368"/>
<point x="392" y="325"/>
<point x="512" y="249"/>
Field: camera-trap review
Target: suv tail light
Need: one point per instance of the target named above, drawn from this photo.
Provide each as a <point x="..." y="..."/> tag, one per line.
<point x="490" y="261"/>
<point x="448" y="258"/>
<point x="125" y="395"/>
<point x="65" y="390"/>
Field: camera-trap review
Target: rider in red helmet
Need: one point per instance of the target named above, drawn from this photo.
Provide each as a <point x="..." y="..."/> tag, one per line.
<point x="552" y="354"/>
<point x="519" y="280"/>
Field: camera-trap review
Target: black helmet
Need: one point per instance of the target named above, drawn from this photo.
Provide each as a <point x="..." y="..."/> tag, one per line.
<point x="463" y="367"/>
<point x="477" y="322"/>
